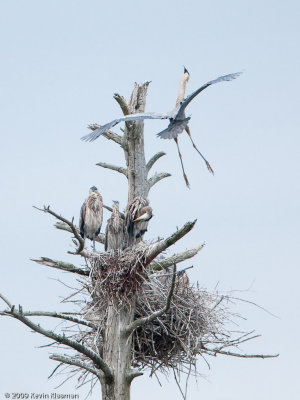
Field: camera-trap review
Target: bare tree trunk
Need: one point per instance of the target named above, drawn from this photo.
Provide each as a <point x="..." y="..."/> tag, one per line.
<point x="117" y="346"/>
<point x="117" y="353"/>
<point x="134" y="146"/>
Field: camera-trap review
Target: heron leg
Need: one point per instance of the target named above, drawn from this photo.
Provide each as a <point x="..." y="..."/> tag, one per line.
<point x="182" y="167"/>
<point x="94" y="247"/>
<point x="187" y="129"/>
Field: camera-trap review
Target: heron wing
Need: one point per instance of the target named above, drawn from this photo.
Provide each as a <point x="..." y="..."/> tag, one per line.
<point x="188" y="99"/>
<point x="82" y="218"/>
<point x="131" y="117"/>
<point x="106" y="236"/>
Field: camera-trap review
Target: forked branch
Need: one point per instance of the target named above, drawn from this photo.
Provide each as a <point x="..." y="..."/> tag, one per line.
<point x="145" y="320"/>
<point x="73" y="228"/>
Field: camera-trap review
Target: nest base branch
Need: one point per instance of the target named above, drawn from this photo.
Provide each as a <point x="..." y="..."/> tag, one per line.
<point x="68" y="267"/>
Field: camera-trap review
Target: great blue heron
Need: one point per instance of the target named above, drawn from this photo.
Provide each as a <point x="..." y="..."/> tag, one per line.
<point x="138" y="214"/>
<point x="115" y="234"/>
<point x="179" y="100"/>
<point x="91" y="215"/>
<point x="178" y="120"/>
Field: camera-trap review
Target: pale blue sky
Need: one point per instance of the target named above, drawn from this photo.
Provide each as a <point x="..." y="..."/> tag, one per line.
<point x="61" y="62"/>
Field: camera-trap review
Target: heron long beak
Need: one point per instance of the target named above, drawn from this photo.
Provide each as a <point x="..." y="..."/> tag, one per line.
<point x="143" y="217"/>
<point x="185" y="71"/>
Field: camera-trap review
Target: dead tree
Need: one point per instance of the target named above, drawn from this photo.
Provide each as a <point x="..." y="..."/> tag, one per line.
<point x="140" y="313"/>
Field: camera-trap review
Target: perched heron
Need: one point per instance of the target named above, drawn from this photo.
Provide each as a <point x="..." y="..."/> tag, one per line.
<point x="91" y="215"/>
<point x="138" y="214"/>
<point x="115" y="234"/>
<point x="178" y="120"/>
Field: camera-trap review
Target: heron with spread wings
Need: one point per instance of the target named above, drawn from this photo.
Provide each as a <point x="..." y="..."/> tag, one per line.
<point x="178" y="122"/>
<point x="91" y="215"/>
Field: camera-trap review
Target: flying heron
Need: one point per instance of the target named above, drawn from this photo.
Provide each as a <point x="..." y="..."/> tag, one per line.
<point x="138" y="214"/>
<point x="178" y="120"/>
<point x="115" y="233"/>
<point x="91" y="215"/>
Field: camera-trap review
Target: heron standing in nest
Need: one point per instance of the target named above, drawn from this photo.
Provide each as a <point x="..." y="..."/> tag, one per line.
<point x="91" y="215"/>
<point x="138" y="214"/>
<point x="115" y="234"/>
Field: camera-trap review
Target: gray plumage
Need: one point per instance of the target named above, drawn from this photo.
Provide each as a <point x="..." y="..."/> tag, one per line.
<point x="115" y="234"/>
<point x="180" y="110"/>
<point x="178" y="120"/>
<point x="138" y="215"/>
<point x="91" y="215"/>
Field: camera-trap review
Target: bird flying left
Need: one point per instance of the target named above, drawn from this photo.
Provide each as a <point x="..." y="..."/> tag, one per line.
<point x="91" y="215"/>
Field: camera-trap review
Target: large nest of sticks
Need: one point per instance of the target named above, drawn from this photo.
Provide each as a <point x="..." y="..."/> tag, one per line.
<point x="179" y="335"/>
<point x="194" y="324"/>
<point x="118" y="275"/>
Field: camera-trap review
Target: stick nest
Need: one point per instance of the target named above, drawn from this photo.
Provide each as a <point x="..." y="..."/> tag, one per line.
<point x="118" y="276"/>
<point x="173" y="340"/>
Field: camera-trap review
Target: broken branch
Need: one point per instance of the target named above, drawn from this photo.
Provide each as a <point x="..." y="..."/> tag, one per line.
<point x="121" y="170"/>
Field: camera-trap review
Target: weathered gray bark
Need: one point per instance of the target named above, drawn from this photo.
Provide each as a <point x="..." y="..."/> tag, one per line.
<point x="133" y="142"/>
<point x="117" y="346"/>
<point x="117" y="353"/>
